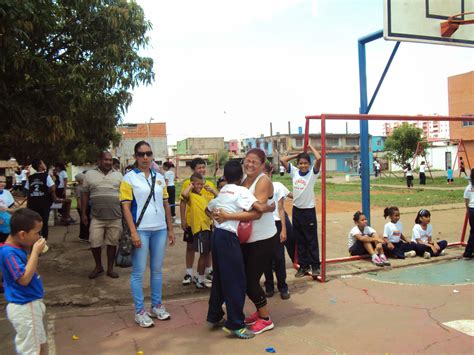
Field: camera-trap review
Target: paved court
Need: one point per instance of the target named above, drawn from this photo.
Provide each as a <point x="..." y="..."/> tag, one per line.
<point x="378" y="312"/>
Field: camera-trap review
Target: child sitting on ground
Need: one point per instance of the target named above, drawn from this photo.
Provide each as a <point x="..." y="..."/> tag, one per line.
<point x="200" y="224"/>
<point x="23" y="286"/>
<point x="364" y="239"/>
<point x="422" y="235"/>
<point x="229" y="282"/>
<point x="396" y="244"/>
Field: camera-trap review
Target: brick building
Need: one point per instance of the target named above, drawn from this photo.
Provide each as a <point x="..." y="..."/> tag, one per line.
<point x="461" y="103"/>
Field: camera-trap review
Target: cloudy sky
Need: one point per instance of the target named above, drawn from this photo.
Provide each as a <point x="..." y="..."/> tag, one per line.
<point x="229" y="68"/>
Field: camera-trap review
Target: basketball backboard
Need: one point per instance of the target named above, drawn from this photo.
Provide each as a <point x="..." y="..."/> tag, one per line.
<point x="419" y="21"/>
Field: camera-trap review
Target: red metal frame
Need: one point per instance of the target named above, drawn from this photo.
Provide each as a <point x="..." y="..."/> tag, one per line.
<point x="323" y="118"/>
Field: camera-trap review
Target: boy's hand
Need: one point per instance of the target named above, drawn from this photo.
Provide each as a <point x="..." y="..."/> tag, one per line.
<point x="207" y="188"/>
<point x="283" y="237"/>
<point x="38" y="246"/>
<point x="390" y="246"/>
<point x="184" y="225"/>
<point x="136" y="241"/>
<point x="171" y="237"/>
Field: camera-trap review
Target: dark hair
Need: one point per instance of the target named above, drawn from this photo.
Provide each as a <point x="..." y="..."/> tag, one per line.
<point x="168" y="165"/>
<point x="23" y="220"/>
<point x="36" y="163"/>
<point x="422" y="213"/>
<point x="220" y="181"/>
<point x="196" y="176"/>
<point x="139" y="144"/>
<point x="408" y="166"/>
<point x="304" y="156"/>
<point x="102" y="154"/>
<point x="422" y="163"/>
<point x="472" y="176"/>
<point x="357" y="216"/>
<point x="197" y="161"/>
<point x="389" y="211"/>
<point x="259" y="153"/>
<point x="268" y="167"/>
<point x="233" y="171"/>
<point x="61" y="166"/>
<point x="115" y="161"/>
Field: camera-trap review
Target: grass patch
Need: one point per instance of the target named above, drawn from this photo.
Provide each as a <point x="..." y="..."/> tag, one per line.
<point x="439" y="181"/>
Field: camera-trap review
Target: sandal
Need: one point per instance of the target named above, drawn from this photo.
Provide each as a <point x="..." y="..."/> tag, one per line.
<point x="95" y="273"/>
<point x="112" y="274"/>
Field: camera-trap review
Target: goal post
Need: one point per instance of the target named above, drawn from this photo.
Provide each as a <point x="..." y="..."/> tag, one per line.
<point x="359" y="117"/>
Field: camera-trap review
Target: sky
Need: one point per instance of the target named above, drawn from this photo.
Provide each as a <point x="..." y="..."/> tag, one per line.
<point x="227" y="68"/>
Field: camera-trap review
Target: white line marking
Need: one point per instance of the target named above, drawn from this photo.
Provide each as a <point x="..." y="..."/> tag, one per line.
<point x="51" y="341"/>
<point x="465" y="326"/>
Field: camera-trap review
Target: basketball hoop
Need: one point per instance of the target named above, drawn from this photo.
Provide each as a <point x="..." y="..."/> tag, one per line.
<point x="452" y="24"/>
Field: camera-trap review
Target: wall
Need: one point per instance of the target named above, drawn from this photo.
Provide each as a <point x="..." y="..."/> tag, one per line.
<point x="461" y="102"/>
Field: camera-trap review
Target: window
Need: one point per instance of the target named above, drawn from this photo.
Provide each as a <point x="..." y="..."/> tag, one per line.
<point x="468" y="123"/>
<point x="332" y="142"/>
<point x="298" y="142"/>
<point x="352" y="142"/>
<point x="379" y="142"/>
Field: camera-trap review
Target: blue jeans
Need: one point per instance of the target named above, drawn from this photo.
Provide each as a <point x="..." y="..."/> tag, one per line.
<point x="155" y="242"/>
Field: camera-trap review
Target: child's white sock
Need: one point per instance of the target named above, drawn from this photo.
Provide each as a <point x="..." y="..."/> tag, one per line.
<point x="383" y="255"/>
<point x="374" y="255"/>
<point x="200" y="278"/>
<point x="189" y="271"/>
<point x="208" y="270"/>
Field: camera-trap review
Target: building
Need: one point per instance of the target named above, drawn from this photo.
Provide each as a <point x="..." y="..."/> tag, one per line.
<point x="461" y="103"/>
<point x="343" y="150"/>
<point x="153" y="133"/>
<point x="233" y="147"/>
<point x="378" y="143"/>
<point x="204" y="147"/>
<point x="432" y="130"/>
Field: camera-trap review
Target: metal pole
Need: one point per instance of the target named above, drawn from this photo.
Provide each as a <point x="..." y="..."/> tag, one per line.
<point x="323" y="198"/>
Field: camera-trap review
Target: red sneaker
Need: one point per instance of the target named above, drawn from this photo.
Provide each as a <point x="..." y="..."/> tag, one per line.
<point x="261" y="325"/>
<point x="251" y="319"/>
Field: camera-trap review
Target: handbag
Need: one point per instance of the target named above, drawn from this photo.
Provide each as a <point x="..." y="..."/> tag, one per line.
<point x="244" y="231"/>
<point x="125" y="247"/>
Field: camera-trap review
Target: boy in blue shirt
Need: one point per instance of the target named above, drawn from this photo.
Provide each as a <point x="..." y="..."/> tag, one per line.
<point x="22" y="284"/>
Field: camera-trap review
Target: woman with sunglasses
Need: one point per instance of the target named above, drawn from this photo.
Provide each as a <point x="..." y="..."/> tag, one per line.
<point x="143" y="194"/>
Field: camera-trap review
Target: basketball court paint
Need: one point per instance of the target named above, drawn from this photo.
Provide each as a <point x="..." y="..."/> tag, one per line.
<point x="453" y="272"/>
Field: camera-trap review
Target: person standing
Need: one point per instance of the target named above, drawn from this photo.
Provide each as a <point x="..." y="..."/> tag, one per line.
<point x="101" y="185"/>
<point x="462" y="168"/>
<point x="422" y="173"/>
<point x="6" y="204"/>
<point x="147" y="213"/>
<point x="408" y="175"/>
<point x="469" y="201"/>
<point x="169" y="179"/>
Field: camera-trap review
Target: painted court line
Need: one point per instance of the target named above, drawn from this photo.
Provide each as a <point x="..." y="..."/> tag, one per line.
<point x="465" y="326"/>
<point x="51" y="341"/>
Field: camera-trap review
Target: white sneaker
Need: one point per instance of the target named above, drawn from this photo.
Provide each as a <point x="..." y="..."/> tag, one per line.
<point x="426" y="255"/>
<point x="160" y="312"/>
<point x="443" y="252"/>
<point x="204" y="284"/>
<point x="410" y="254"/>
<point x="187" y="280"/>
<point x="376" y="260"/>
<point x="143" y="319"/>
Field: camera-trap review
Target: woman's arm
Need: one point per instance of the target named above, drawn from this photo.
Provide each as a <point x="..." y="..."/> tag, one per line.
<point x="169" y="222"/>
<point x="127" y="215"/>
<point x="281" y="214"/>
<point x="221" y="216"/>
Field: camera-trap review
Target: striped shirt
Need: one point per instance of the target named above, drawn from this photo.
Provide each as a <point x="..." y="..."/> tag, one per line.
<point x="103" y="190"/>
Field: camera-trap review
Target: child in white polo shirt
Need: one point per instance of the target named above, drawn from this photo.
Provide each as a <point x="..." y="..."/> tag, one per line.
<point x="305" y="225"/>
<point x="396" y="244"/>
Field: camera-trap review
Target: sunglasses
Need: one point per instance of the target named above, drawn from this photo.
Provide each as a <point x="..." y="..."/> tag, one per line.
<point x="142" y="154"/>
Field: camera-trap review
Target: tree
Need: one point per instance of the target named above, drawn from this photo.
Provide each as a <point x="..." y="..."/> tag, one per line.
<point x="401" y="145"/>
<point x="65" y="70"/>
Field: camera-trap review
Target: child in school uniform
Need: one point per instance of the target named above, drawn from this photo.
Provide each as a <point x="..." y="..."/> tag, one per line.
<point x="363" y="239"/>
<point x="396" y="244"/>
<point x="229" y="282"/>
<point x="200" y="224"/>
<point x="278" y="263"/>
<point x="449" y="175"/>
<point x="422" y="235"/>
<point x="305" y="226"/>
<point x="23" y="287"/>
<point x="409" y="175"/>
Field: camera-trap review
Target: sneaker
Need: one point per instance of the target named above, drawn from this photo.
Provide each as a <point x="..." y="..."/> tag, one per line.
<point x="143" y="319"/>
<point x="269" y="293"/>
<point x="160" y="312"/>
<point x="443" y="252"/>
<point x="315" y="271"/>
<point x="427" y="255"/>
<point x="261" y="325"/>
<point x="302" y="271"/>
<point x="242" y="333"/>
<point x="187" y="280"/>
<point x="410" y="254"/>
<point x="376" y="260"/>
<point x="251" y="319"/>
<point x="195" y="280"/>
<point x="203" y="285"/>
<point x="384" y="260"/>
<point x="210" y="275"/>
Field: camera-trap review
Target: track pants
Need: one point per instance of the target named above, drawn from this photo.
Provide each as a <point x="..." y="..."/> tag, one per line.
<point x="305" y="228"/>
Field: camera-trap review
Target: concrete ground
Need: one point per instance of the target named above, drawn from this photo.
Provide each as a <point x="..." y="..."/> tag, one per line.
<point x="346" y="314"/>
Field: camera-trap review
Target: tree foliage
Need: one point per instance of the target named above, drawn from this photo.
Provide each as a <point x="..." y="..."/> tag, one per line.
<point x="401" y="145"/>
<point x="65" y="70"/>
